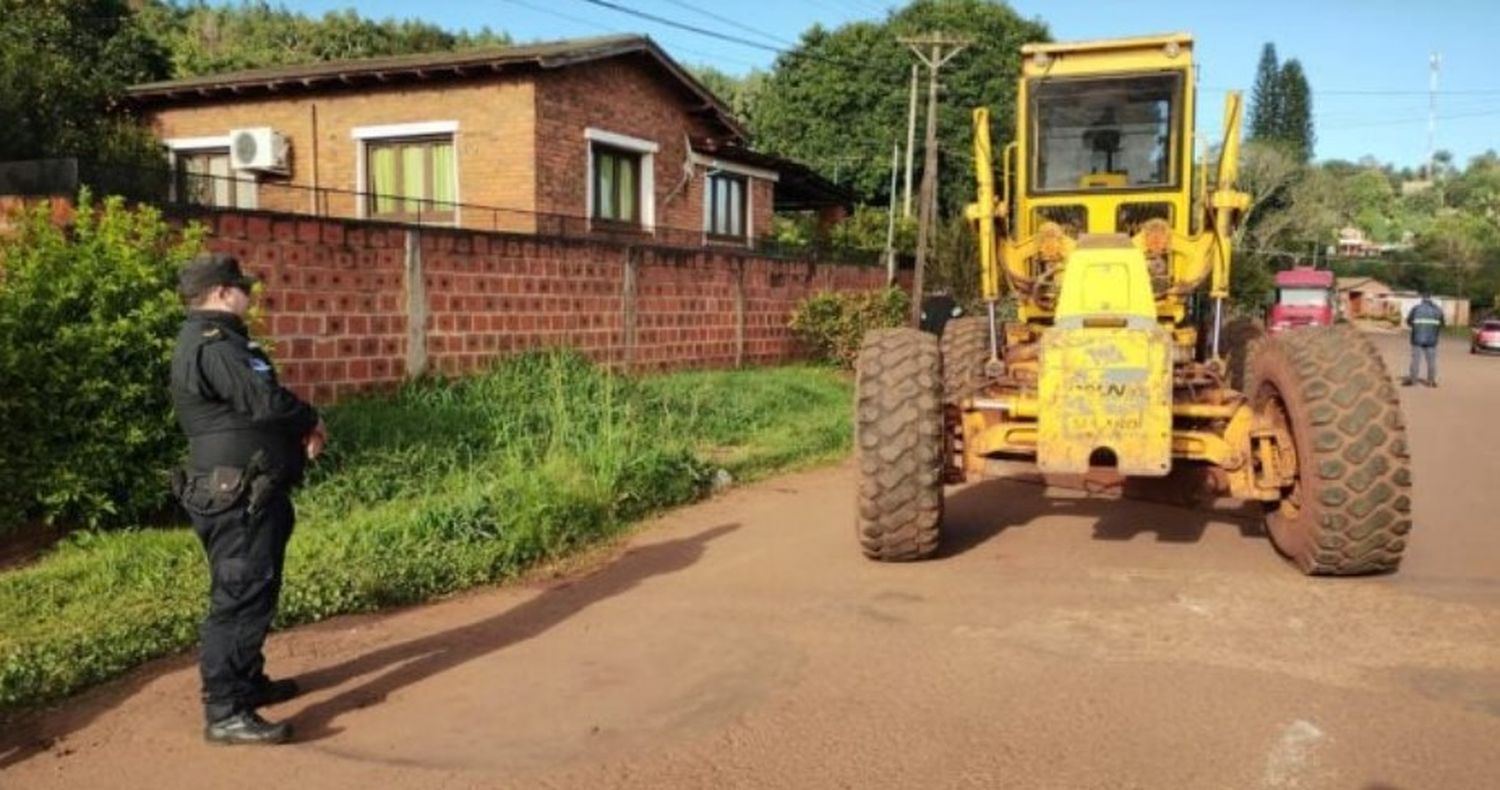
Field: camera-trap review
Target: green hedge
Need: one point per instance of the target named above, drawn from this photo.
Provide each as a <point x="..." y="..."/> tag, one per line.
<point x="88" y="315"/>
<point x="834" y="324"/>
<point x="441" y="487"/>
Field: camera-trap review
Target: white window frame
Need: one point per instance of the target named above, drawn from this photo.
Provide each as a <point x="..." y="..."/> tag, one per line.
<point x="751" y="174"/>
<point x="364" y="135"/>
<point x="645" y="149"/>
<point x="187" y="145"/>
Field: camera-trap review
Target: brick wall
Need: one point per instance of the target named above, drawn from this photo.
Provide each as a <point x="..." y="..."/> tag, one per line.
<point x="353" y="306"/>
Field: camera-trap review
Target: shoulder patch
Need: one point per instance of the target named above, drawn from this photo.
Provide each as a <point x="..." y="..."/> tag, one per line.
<point x="260" y="366"/>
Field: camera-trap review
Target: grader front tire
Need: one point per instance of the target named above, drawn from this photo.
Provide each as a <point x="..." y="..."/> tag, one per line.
<point x="1350" y="510"/>
<point x="966" y="350"/>
<point x="899" y="444"/>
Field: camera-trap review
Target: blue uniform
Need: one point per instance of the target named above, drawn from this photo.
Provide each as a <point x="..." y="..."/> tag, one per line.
<point x="1426" y="321"/>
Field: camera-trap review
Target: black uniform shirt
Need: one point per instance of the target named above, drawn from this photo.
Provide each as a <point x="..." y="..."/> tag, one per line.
<point x="229" y="402"/>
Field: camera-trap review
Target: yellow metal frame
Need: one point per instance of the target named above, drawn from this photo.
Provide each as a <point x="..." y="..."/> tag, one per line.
<point x="1017" y="252"/>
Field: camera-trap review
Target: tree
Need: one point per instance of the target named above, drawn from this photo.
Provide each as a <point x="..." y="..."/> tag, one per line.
<point x="204" y="39"/>
<point x="1295" y="125"/>
<point x="839" y="99"/>
<point x="1459" y="242"/>
<point x="740" y="94"/>
<point x="64" y="66"/>
<point x="1265" y="97"/>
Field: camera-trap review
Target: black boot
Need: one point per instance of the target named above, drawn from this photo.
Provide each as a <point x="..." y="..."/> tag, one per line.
<point x="1407" y="381"/>
<point x="272" y="692"/>
<point x="246" y="728"/>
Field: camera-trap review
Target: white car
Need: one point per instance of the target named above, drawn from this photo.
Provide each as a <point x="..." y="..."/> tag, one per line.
<point x="1486" y="339"/>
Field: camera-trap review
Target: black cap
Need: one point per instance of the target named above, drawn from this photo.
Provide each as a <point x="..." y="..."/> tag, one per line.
<point x="212" y="269"/>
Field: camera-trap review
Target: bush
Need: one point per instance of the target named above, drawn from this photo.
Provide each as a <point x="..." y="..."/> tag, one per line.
<point x="88" y="316"/>
<point x="440" y="487"/>
<point x="834" y="324"/>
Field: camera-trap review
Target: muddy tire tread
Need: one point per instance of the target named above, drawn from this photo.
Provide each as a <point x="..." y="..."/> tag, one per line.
<point x="899" y="444"/>
<point x="1353" y="460"/>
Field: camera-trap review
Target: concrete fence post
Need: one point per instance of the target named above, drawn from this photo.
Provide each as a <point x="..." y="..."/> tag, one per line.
<point x="416" y="307"/>
<point x="628" y="290"/>
<point x="739" y="312"/>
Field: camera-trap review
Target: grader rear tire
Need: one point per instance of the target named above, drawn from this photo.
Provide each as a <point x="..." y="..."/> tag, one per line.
<point x="899" y="442"/>
<point x="966" y="350"/>
<point x="1350" y="510"/>
<point x="1241" y="338"/>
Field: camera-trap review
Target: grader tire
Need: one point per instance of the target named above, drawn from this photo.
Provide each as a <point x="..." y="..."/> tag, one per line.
<point x="1349" y="512"/>
<point x="966" y="349"/>
<point x="899" y="442"/>
<point x="1241" y="338"/>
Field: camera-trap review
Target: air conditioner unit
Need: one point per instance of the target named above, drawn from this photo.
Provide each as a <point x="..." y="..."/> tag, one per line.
<point x="261" y="148"/>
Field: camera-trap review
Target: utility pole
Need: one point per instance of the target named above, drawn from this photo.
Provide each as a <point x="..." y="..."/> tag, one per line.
<point x="911" y="139"/>
<point x="890" y="222"/>
<point x="1434" y="63"/>
<point x="930" y="50"/>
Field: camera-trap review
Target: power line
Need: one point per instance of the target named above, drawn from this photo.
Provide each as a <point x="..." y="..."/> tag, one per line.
<point x="1365" y="92"/>
<point x="702" y="31"/>
<point x="1403" y="121"/>
<point x="598" y="26"/>
<point x="733" y="39"/>
<point x="731" y="22"/>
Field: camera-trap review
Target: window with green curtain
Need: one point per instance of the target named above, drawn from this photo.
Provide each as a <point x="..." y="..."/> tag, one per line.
<point x="412" y="179"/>
<point x="444" y="190"/>
<point x="616" y="185"/>
<point x="414" y="160"/>
<point x="383" y="179"/>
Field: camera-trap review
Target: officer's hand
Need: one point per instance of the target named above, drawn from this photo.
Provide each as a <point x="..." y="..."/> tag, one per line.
<point x="316" y="441"/>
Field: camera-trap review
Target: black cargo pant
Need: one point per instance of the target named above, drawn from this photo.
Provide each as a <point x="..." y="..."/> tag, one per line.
<point x="246" y="551"/>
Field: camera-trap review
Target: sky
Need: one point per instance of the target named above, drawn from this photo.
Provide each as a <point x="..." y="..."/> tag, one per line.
<point x="1367" y="61"/>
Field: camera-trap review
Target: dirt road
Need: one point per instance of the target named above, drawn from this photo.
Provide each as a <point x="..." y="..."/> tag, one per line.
<point x="1060" y="642"/>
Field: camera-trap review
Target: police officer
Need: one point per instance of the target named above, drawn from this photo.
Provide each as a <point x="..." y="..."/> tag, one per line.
<point x="1426" y="321"/>
<point x="249" y="439"/>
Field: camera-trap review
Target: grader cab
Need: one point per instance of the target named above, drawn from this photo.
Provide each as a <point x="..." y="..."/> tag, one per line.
<point x="1115" y="248"/>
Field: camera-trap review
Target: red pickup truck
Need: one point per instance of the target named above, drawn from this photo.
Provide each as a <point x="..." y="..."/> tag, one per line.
<point x="1304" y="297"/>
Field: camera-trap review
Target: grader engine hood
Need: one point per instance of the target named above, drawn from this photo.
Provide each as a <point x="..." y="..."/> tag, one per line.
<point x="1106" y="368"/>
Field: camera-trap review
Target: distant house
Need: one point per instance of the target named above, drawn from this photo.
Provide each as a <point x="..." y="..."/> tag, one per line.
<point x="1361" y="297"/>
<point x="603" y="135"/>
<point x="1353" y="243"/>
<point x="1455" y="310"/>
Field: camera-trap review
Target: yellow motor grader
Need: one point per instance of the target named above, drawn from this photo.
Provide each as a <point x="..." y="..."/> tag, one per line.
<point x="1115" y="249"/>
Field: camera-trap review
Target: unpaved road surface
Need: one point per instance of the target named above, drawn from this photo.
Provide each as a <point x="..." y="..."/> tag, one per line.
<point x="1059" y="642"/>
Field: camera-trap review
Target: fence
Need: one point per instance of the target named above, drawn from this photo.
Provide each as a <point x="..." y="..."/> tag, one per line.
<point x="164" y="186"/>
<point x="354" y="306"/>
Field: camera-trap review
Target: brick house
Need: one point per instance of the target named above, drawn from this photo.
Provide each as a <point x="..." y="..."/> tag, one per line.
<point x="589" y="136"/>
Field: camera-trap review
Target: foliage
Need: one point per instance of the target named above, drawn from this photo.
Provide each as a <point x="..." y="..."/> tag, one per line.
<point x="87" y="320"/>
<point x="444" y="486"/>
<point x="1265" y="96"/>
<point x="740" y="94"/>
<point x="1281" y="106"/>
<point x="1296" y="127"/>
<point x="208" y="39"/>
<point x="834" y="324"/>
<point x="839" y="100"/>
<point x="64" y="66"/>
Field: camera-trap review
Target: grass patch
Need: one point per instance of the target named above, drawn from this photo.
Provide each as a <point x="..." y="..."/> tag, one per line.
<point x="441" y="487"/>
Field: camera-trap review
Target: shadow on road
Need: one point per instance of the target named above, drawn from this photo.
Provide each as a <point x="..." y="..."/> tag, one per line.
<point x="32" y="732"/>
<point x="979" y="512"/>
<point x="416" y="660"/>
<point x="27" y="733"/>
